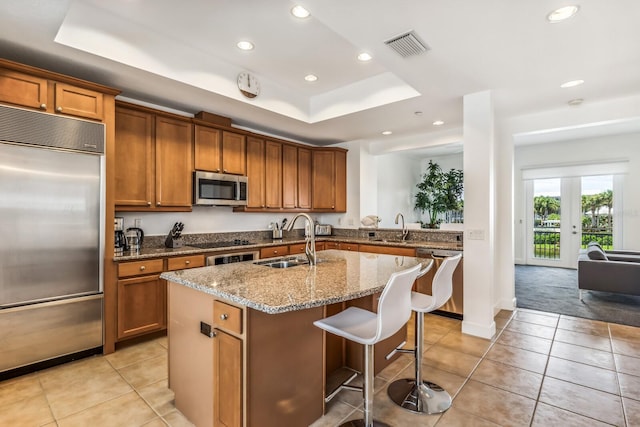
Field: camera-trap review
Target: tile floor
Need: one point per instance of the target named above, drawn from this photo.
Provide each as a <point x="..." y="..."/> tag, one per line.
<point x="540" y="369"/>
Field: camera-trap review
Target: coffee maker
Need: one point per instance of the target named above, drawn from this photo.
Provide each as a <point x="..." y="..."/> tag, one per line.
<point x="120" y="241"/>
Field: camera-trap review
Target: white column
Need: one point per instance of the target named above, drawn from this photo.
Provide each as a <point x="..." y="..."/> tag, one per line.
<point x="479" y="214"/>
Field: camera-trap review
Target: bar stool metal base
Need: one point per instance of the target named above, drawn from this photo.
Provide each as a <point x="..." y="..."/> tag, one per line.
<point x="427" y="398"/>
<point x="360" y="423"/>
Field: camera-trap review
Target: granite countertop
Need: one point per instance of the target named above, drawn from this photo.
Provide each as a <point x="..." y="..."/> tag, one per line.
<point x="338" y="276"/>
<point x="147" y="253"/>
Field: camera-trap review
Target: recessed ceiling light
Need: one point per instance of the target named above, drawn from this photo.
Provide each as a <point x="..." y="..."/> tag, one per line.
<point x="575" y="102"/>
<point x="438" y="123"/>
<point x="245" y="45"/>
<point x="571" y="83"/>
<point x="311" y="77"/>
<point x="300" y="12"/>
<point x="387" y="132"/>
<point x="562" y="13"/>
<point x="418" y="113"/>
<point x="364" y="57"/>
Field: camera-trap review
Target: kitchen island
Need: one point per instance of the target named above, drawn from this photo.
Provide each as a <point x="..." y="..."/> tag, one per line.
<point x="243" y="350"/>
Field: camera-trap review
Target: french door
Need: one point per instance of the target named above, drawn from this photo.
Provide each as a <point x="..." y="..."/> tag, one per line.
<point x="560" y="211"/>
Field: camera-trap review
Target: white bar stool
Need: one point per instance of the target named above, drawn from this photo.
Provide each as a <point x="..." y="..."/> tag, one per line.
<point x="368" y="328"/>
<point x="413" y="394"/>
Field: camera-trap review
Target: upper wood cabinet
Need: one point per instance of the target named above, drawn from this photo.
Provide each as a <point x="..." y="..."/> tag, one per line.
<point x="154" y="161"/>
<point x="273" y="174"/>
<point x="304" y="178"/>
<point x="255" y="173"/>
<point x="289" y="176"/>
<point x="329" y="180"/>
<point x="219" y="151"/>
<point x="36" y="92"/>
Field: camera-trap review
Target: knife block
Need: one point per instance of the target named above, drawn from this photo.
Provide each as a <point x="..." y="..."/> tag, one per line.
<point x="173" y="242"/>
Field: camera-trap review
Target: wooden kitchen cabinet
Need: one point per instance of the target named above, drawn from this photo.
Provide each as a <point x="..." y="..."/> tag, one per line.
<point x="219" y="151"/>
<point x="227" y="386"/>
<point x="154" y="161"/>
<point x="329" y="180"/>
<point x="255" y="173"/>
<point x="49" y="96"/>
<point x="348" y="246"/>
<point x="273" y="174"/>
<point x="389" y="250"/>
<point x="289" y="176"/>
<point x="274" y="251"/>
<point x="304" y="178"/>
<point x="141" y="305"/>
<point x="299" y="248"/>
<point x="331" y="245"/>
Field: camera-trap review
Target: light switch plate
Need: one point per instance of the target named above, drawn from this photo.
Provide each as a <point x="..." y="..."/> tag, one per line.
<point x="476" y="235"/>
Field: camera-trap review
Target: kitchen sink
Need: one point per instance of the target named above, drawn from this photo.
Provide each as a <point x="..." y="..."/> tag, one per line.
<point x="283" y="263"/>
<point x="389" y="240"/>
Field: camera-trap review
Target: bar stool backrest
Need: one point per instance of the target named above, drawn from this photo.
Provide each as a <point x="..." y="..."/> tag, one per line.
<point x="394" y="306"/>
<point x="442" y="287"/>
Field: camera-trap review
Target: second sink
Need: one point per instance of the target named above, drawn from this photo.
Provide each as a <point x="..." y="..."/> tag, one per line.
<point x="283" y="263"/>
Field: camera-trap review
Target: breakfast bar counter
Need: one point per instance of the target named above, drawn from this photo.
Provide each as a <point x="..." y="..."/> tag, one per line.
<point x="243" y="350"/>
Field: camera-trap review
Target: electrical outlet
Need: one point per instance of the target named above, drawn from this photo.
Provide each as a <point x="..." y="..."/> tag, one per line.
<point x="137" y="223"/>
<point x="350" y="221"/>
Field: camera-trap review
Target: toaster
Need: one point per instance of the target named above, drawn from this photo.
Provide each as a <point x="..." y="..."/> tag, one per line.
<point x="323" y="230"/>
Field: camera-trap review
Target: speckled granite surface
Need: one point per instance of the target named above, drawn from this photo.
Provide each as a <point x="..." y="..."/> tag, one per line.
<point x="147" y="253"/>
<point x="338" y="276"/>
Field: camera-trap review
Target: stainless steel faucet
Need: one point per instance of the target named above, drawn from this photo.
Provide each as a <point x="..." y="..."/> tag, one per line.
<point x="310" y="239"/>
<point x="404" y="229"/>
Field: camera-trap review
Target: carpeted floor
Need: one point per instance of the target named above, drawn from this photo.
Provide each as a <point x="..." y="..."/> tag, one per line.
<point x="555" y="290"/>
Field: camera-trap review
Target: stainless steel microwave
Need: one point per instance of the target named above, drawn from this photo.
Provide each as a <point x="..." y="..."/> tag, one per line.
<point x="218" y="189"/>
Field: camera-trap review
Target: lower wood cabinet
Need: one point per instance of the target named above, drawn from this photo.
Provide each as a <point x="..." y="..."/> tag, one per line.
<point x="142" y="305"/>
<point x="227" y="383"/>
<point x="274" y="251"/>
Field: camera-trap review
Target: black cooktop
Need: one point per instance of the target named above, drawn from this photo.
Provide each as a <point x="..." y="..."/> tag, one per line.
<point x="212" y="245"/>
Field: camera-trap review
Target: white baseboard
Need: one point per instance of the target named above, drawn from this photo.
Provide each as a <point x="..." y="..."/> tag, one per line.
<point x="478" y="330"/>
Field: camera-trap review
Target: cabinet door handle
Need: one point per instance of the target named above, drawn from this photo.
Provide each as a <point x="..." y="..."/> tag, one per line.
<point x="43" y="106"/>
<point x="143" y="268"/>
<point x="217" y="170"/>
<point x="148" y="203"/>
<point x="187" y="262"/>
<point x="275" y="252"/>
<point x="224" y="316"/>
<point x="157" y="203"/>
<point x="224" y="170"/>
<point x="59" y="109"/>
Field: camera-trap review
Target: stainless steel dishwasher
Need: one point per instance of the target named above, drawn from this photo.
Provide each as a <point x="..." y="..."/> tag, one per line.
<point x="453" y="307"/>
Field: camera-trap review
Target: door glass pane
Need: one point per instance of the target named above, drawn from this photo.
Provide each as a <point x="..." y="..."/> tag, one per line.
<point x="546" y="214"/>
<point x="597" y="210"/>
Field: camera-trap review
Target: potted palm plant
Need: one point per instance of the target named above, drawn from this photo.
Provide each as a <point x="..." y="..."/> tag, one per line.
<point x="439" y="192"/>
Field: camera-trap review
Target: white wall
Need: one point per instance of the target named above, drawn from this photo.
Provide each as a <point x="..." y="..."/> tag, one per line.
<point x="586" y="150"/>
<point x="398" y="175"/>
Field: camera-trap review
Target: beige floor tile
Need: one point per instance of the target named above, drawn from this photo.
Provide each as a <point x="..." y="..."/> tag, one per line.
<point x="531" y="329"/>
<point x="629" y="386"/>
<point x="146" y="372"/>
<point x="163" y="341"/>
<point x="79" y="385"/>
<point x="627" y="364"/>
<point x="576" y="353"/>
<point x="156" y="422"/>
<point x="536" y="318"/>
<point x="129" y="410"/>
<point x="445" y="322"/>
<point x="136" y="353"/>
<point x="451" y="361"/>
<point x="336" y="412"/>
<point x="632" y="411"/>
<point x="30" y="411"/>
<point x="585" y="340"/>
<point x="397" y="366"/>
<point x="547" y="415"/>
<point x="582" y="400"/>
<point x="159" y="397"/>
<point x="19" y="388"/>
<point x="386" y="411"/>
<point x="525" y="342"/>
<point x="456" y="340"/>
<point x="455" y="417"/>
<point x="176" y="419"/>
<point x="504" y="314"/>
<point x="541" y="313"/>
<point x="448" y="381"/>
<point x="628" y="348"/>
<point x="494" y="404"/>
<point x="501" y="322"/>
<point x="624" y="332"/>
<point x="586" y="326"/>
<point x="520" y="358"/>
<point x="509" y="378"/>
<point x="586" y="375"/>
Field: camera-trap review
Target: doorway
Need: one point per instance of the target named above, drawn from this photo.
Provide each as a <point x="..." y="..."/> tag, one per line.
<point x="565" y="214"/>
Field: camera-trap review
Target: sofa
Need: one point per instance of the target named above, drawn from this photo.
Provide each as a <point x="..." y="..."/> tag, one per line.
<point x="608" y="271"/>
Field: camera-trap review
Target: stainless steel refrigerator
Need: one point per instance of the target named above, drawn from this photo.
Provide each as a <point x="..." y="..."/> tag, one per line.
<point x="51" y="239"/>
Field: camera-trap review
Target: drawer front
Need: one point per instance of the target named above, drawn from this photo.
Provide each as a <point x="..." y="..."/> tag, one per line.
<point x="331" y="245"/>
<point x="389" y="250"/>
<point x="299" y="248"/>
<point x="274" y="251"/>
<point x="138" y="268"/>
<point x="348" y="247"/>
<point x="182" y="262"/>
<point x="227" y="317"/>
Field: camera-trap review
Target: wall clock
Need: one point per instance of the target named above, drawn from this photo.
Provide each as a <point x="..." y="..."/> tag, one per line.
<point x="248" y="84"/>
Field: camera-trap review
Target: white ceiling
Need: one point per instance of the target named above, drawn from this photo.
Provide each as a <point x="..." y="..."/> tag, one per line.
<point x="183" y="55"/>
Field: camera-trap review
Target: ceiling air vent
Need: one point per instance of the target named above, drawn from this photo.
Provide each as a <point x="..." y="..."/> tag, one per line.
<point x="407" y="44"/>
